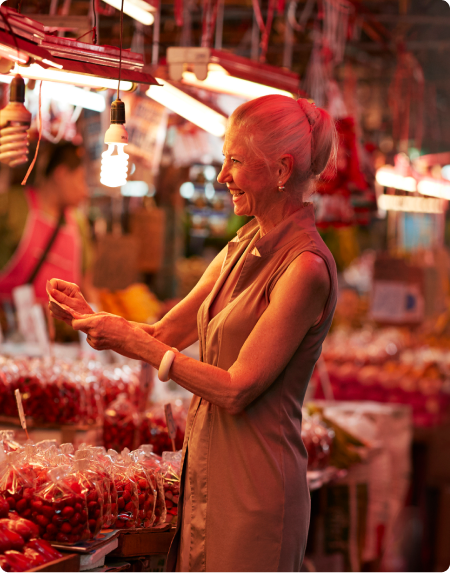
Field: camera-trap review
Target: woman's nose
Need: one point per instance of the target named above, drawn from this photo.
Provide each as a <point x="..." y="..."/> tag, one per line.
<point x="223" y="175"/>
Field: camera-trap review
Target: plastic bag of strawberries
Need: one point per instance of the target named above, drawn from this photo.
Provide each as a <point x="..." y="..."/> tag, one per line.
<point x="121" y="472"/>
<point x="171" y="482"/>
<point x="153" y="464"/>
<point x="147" y="492"/>
<point x="119" y="424"/>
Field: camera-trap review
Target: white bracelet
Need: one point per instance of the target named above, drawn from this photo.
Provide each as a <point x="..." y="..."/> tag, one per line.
<point x="165" y="366"/>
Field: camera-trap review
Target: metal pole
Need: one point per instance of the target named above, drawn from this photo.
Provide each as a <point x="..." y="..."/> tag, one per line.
<point x="255" y="39"/>
<point x="156" y="36"/>
<point x="288" y="45"/>
<point x="219" y="25"/>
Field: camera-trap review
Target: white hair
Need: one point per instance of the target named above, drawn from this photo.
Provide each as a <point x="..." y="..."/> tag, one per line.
<point x="275" y="125"/>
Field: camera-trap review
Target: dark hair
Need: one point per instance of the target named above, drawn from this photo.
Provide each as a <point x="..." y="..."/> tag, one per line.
<point x="66" y="154"/>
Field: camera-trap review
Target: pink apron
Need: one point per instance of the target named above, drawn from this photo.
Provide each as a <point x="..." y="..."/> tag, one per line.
<point x="62" y="262"/>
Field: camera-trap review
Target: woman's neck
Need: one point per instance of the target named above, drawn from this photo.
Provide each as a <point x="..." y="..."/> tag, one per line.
<point x="277" y="213"/>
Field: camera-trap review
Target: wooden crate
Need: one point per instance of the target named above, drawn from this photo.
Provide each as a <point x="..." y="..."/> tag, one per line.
<point x="70" y="562"/>
<point x="143" y="542"/>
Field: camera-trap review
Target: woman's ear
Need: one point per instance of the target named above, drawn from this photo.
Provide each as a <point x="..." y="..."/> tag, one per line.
<point x="286" y="163"/>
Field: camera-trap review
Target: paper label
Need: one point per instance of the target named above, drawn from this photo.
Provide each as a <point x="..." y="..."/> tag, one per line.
<point x="172" y="428"/>
<point x="66" y="309"/>
<point x="24" y="299"/>
<point x="23" y="422"/>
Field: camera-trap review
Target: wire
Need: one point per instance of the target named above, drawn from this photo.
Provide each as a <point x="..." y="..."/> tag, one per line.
<point x="94" y="30"/>
<point x="120" y="50"/>
<point x="39" y="140"/>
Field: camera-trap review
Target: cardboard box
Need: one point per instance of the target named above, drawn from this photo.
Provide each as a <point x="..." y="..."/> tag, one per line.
<point x="143" y="542"/>
<point x="70" y="562"/>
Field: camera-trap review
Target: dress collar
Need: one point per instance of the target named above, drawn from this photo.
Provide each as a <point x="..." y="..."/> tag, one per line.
<point x="289" y="229"/>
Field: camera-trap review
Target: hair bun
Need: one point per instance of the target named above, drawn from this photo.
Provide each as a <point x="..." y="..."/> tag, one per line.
<point x="310" y="111"/>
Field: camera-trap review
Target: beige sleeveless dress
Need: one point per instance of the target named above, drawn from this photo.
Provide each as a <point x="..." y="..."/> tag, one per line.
<point x="244" y="502"/>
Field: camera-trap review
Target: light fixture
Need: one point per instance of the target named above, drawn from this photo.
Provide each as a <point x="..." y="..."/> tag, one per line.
<point x="188" y="107"/>
<point x="227" y="73"/>
<point x="409" y="204"/>
<point x="388" y="177"/>
<point x="36" y="72"/>
<point x="137" y="9"/>
<point x="15" y="121"/>
<point x="114" y="167"/>
<point x="434" y="188"/>
<point x="220" y="81"/>
<point x="13" y="54"/>
<point x="74" y="96"/>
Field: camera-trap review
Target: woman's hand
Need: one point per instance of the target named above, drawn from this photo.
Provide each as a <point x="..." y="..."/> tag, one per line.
<point x="108" y="332"/>
<point x="70" y="295"/>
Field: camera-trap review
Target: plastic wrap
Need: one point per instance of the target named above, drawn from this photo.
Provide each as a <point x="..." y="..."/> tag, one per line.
<point x="119" y="424"/>
<point x="127" y="492"/>
<point x="171" y="483"/>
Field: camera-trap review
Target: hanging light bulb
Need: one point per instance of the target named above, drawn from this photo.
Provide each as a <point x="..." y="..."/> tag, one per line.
<point x="114" y="167"/>
<point x="15" y="120"/>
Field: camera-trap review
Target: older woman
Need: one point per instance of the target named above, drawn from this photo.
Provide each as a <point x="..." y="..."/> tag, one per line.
<point x="261" y="312"/>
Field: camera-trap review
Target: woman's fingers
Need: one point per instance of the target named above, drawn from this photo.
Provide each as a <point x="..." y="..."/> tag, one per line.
<point x="70" y="289"/>
<point x="59" y="313"/>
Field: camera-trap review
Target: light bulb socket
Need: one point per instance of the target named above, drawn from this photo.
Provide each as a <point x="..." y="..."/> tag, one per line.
<point x="118" y="112"/>
<point x="17" y="89"/>
<point x="116" y="133"/>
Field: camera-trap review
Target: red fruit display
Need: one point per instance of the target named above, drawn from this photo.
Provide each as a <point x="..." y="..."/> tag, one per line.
<point x="154" y="430"/>
<point x="171" y="483"/>
<point x="127" y="492"/>
<point x="87" y="483"/>
<point x="59" y="508"/>
<point x="17" y="561"/>
<point x="17" y="477"/>
<point x="119" y="424"/>
<point x="147" y="493"/>
<point x="4" y="507"/>
<point x="24" y="527"/>
<point x="12" y="539"/>
<point x="153" y="466"/>
<point x="44" y="548"/>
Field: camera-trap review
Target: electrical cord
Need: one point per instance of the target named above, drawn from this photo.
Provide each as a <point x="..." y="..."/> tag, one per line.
<point x="120" y="49"/>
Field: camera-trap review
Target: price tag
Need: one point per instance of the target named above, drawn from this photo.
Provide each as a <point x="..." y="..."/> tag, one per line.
<point x="40" y="328"/>
<point x="172" y="428"/>
<point x="24" y="299"/>
<point x="23" y="422"/>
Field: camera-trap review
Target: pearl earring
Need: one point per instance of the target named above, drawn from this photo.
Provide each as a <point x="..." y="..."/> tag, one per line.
<point x="281" y="187"/>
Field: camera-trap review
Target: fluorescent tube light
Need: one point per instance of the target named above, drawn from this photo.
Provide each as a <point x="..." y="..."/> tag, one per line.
<point x="13" y="54"/>
<point x="74" y="96"/>
<point x="387" y="177"/>
<point x="218" y="80"/>
<point x="137" y="9"/>
<point x="36" y="72"/>
<point x="434" y="188"/>
<point x="188" y="107"/>
<point x="409" y="204"/>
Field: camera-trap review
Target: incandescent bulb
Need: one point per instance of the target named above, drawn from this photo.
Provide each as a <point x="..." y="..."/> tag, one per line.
<point x="15" y="121"/>
<point x="114" y="168"/>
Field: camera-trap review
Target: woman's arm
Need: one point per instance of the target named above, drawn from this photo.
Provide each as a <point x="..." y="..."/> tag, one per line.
<point x="297" y="303"/>
<point x="178" y="328"/>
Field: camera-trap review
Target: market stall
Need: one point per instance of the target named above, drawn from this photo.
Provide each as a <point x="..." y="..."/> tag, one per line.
<point x="112" y="123"/>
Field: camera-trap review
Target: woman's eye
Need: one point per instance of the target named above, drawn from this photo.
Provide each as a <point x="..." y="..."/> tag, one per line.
<point x="235" y="160"/>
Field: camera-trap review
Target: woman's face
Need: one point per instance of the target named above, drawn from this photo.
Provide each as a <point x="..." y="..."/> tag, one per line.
<point x="252" y="185"/>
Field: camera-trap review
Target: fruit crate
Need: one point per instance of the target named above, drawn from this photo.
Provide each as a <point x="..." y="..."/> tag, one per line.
<point x="148" y="541"/>
<point x="70" y="562"/>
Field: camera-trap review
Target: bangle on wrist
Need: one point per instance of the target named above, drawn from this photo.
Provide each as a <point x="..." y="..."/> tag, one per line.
<point x="165" y="365"/>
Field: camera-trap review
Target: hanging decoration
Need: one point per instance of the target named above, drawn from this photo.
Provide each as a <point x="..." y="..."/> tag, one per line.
<point x="265" y="28"/>
<point x="210" y="12"/>
<point x="406" y="100"/>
